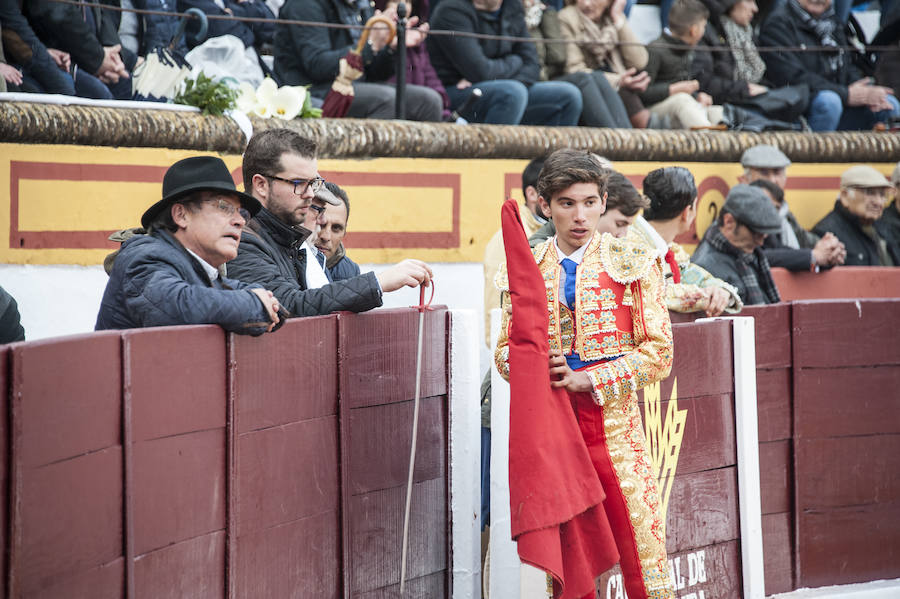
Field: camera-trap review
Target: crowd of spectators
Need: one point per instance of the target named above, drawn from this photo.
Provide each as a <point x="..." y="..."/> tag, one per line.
<point x="706" y="70"/>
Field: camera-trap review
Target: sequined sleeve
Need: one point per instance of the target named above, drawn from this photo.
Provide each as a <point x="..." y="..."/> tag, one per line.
<point x="651" y="359"/>
<point x="501" y="352"/>
<point x="695" y="276"/>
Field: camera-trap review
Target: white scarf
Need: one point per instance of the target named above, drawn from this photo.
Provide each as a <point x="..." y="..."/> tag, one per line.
<point x="788" y="237"/>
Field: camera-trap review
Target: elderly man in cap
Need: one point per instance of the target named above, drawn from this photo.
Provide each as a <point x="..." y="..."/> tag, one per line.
<point x="172" y="275"/>
<point x="731" y="249"/>
<point x="281" y="172"/>
<point x="794" y="247"/>
<point x="891" y="216"/>
<point x="863" y="195"/>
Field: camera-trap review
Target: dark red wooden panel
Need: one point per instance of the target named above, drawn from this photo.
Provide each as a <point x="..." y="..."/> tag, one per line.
<point x="708" y="438"/>
<point x="775" y="476"/>
<point x="194" y="568"/>
<point x="850" y="544"/>
<point x="370" y="375"/>
<point x="380" y="439"/>
<point x="773" y="334"/>
<point x="376" y="521"/>
<point x="70" y="521"/>
<point x="778" y="554"/>
<point x="299" y="559"/>
<point x="703" y="358"/>
<point x="179" y="488"/>
<point x="841" y="402"/>
<point x="103" y="582"/>
<point x="177" y="380"/>
<point x="710" y="571"/>
<point x="774" y="403"/>
<point x="4" y="464"/>
<point x="846" y="333"/>
<point x="848" y="471"/>
<point x="70" y="395"/>
<point x="286" y="377"/>
<point x="703" y="510"/>
<point x="286" y="473"/>
<point x="431" y="586"/>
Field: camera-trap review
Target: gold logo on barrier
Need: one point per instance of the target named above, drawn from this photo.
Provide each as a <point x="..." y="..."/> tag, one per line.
<point x="663" y="439"/>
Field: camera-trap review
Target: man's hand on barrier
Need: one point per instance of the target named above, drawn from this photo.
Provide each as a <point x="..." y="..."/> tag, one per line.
<point x="409" y="273"/>
<point x="563" y="376"/>
<point x="271" y="304"/>
<point x="718" y="300"/>
<point x="829" y="251"/>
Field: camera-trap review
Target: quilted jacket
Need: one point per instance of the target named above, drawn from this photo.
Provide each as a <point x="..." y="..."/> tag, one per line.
<point x="155" y="282"/>
<point x="270" y="254"/>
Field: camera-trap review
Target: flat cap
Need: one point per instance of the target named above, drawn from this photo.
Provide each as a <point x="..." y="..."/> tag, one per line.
<point x="764" y="156"/>
<point x="751" y="206"/>
<point x="326" y="196"/>
<point x="863" y="176"/>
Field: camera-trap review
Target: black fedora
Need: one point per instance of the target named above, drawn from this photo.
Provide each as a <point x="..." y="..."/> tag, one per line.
<point x="199" y="173"/>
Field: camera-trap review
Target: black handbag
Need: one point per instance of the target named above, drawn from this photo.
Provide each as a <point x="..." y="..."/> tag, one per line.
<point x="786" y="103"/>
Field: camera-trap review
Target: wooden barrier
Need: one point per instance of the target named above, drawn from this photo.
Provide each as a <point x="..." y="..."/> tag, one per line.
<point x="841" y="282"/>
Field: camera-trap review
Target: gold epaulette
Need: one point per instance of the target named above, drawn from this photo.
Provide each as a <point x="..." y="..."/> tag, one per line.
<point x="625" y="260"/>
<point x="501" y="279"/>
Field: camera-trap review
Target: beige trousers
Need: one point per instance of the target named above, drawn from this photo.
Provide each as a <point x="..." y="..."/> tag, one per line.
<point x="685" y="112"/>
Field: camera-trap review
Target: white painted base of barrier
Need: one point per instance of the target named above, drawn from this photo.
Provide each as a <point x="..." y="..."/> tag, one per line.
<point x="465" y="454"/>
<point x="878" y="589"/>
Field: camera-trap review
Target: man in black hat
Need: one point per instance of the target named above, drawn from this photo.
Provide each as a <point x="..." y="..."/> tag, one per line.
<point x="171" y="275"/>
<point x="281" y="171"/>
<point x="731" y="249"/>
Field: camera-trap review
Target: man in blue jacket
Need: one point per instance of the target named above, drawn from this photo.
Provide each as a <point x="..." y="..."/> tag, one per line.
<point x="172" y="275"/>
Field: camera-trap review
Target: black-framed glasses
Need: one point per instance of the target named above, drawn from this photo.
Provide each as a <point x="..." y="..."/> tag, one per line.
<point x="317" y="209"/>
<point x="301" y="185"/>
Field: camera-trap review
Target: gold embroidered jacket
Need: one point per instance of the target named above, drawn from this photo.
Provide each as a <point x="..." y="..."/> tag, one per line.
<point x="620" y="315"/>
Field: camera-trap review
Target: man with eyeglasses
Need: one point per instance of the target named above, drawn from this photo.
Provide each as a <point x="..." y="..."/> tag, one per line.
<point x="280" y="170"/>
<point x="731" y="249"/>
<point x="855" y="219"/>
<point x="171" y="275"/>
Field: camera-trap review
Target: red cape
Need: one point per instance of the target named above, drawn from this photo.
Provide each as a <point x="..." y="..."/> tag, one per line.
<point x="556" y="499"/>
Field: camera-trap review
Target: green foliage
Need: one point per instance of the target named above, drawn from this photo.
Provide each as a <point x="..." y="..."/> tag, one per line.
<point x="209" y="96"/>
<point x="308" y="112"/>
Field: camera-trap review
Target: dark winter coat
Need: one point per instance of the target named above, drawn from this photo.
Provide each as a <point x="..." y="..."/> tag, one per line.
<point x="782" y="28"/>
<point x="10" y="325"/>
<point x="714" y="70"/>
<point x="270" y="253"/>
<point x="477" y="60"/>
<point x="157" y="31"/>
<point x="63" y="26"/>
<point x="890" y="219"/>
<point x="251" y="33"/>
<point x="156" y="282"/>
<point x="861" y="249"/>
<point x="311" y="55"/>
<point x="666" y="66"/>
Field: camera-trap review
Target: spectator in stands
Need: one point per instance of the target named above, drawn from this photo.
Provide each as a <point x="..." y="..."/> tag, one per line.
<point x="672" y="92"/>
<point x="494" y="252"/>
<point x="623" y="203"/>
<point x="855" y="219"/>
<point x="281" y="170"/>
<point x="10" y="325"/>
<point x="89" y="34"/>
<point x="254" y="34"/>
<point x="842" y="98"/>
<point x="890" y="219"/>
<point x="731" y="249"/>
<point x="146" y="32"/>
<point x="40" y="69"/>
<point x="794" y="248"/>
<point x="308" y="55"/>
<point x="330" y="239"/>
<point x="734" y="76"/>
<point x="672" y="196"/>
<point x="506" y="72"/>
<point x="601" y="105"/>
<point x="608" y="47"/>
<point x="171" y="276"/>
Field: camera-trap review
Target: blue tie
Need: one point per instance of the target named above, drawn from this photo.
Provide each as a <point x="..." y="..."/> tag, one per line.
<point x="569" y="266"/>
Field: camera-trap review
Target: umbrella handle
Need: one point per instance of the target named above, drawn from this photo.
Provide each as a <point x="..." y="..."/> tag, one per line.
<point x="364" y="36"/>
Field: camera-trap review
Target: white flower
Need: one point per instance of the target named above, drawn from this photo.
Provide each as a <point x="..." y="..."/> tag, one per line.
<point x="262" y="110"/>
<point x="287" y="103"/>
<point x="246" y="99"/>
<point x="266" y="90"/>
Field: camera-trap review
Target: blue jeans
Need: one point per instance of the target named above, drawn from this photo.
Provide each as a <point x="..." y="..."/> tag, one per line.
<point x="509" y="102"/>
<point x="827" y="112"/>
